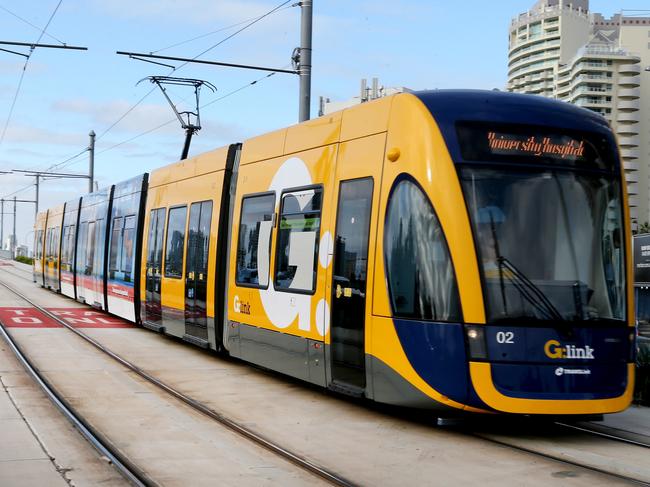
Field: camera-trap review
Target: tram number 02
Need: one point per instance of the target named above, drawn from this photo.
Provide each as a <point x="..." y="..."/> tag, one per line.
<point x="505" y="337"/>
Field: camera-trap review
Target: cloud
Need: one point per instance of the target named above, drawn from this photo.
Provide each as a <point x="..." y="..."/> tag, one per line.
<point x="142" y="118"/>
<point x="35" y="135"/>
<point x="139" y="119"/>
<point x="16" y="67"/>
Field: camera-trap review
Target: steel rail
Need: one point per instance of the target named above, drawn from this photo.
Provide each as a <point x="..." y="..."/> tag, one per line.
<point x="233" y="425"/>
<point x="27" y="276"/>
<point x="128" y="470"/>
<point x="561" y="460"/>
<point x="602" y="434"/>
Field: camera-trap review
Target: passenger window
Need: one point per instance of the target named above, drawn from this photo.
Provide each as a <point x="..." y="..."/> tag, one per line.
<point x="175" y="242"/>
<point x="65" y="248"/>
<point x="116" y="237"/>
<point x="71" y="235"/>
<point x="254" y="245"/>
<point x="81" y="246"/>
<point x="127" y="246"/>
<point x="297" y="248"/>
<point x="421" y="279"/>
<point x="55" y="244"/>
<point x="90" y="248"/>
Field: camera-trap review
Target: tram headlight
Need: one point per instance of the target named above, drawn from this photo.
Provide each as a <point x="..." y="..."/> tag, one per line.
<point x="476" y="342"/>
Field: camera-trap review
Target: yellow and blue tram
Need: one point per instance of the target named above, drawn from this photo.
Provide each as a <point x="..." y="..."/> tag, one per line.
<point x="452" y="250"/>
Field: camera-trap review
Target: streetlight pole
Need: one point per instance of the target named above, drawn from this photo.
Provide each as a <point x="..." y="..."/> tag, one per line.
<point x="38" y="176"/>
<point x="304" y="69"/>
<point x="13" y="237"/>
<point x="91" y="162"/>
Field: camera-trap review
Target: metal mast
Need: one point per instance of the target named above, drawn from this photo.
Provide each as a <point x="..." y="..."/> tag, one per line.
<point x="304" y="59"/>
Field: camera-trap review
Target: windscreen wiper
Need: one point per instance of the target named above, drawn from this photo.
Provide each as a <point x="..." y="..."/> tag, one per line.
<point x="530" y="291"/>
<point x="525" y="286"/>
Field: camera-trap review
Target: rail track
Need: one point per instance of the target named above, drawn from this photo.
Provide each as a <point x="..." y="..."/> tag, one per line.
<point x="564" y="460"/>
<point x="608" y="432"/>
<point x="131" y="471"/>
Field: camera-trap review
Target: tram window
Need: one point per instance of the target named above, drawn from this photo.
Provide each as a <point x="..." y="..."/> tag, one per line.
<point x="421" y="279"/>
<point x="254" y="244"/>
<point x="116" y="238"/>
<point x="175" y="242"/>
<point x="55" y="243"/>
<point x="81" y="246"/>
<point x="127" y="246"/>
<point x="64" y="246"/>
<point x="68" y="242"/>
<point x="47" y="244"/>
<point x="90" y="248"/>
<point x="297" y="245"/>
<point x="48" y="240"/>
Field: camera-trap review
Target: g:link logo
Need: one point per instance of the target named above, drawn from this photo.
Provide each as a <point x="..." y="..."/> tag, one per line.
<point x="553" y="349"/>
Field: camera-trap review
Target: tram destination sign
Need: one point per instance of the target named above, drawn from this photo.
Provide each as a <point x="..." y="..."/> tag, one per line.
<point x="522" y="144"/>
<point x="642" y="259"/>
<point x="561" y="147"/>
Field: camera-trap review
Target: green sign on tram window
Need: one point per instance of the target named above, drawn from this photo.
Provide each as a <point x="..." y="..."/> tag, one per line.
<point x="300" y="224"/>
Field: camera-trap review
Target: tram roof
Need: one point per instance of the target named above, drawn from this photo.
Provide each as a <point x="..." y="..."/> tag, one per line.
<point x="451" y="106"/>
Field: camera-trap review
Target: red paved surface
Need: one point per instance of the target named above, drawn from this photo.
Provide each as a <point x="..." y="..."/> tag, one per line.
<point x="26" y="318"/>
<point x="77" y="317"/>
<point x="89" y="318"/>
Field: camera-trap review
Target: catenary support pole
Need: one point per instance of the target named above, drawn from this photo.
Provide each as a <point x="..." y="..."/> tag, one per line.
<point x="305" y="58"/>
<point x="91" y="162"/>
<point x="38" y="177"/>
<point x="13" y="237"/>
<point x="2" y="221"/>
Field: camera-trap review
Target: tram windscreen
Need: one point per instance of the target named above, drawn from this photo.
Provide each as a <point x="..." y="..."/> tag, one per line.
<point x="522" y="144"/>
<point x="549" y="243"/>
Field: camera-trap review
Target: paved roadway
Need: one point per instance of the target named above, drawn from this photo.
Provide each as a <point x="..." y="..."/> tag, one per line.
<point x="371" y="446"/>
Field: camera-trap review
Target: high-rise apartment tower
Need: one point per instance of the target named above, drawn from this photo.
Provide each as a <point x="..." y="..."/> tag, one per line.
<point x="559" y="49"/>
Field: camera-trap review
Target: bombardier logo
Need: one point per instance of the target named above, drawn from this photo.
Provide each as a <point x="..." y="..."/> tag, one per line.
<point x="554" y="349"/>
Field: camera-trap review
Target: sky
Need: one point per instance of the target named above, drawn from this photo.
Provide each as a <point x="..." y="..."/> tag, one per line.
<point x="48" y="108"/>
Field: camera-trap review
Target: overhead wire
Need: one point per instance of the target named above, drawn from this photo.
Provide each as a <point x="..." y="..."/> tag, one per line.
<point x="173" y="70"/>
<point x="67" y="162"/>
<point x="17" y="191"/>
<point x="238" y="31"/>
<point x="230" y="93"/>
<point x="49" y="21"/>
<point x="222" y="29"/>
<point x="29" y="23"/>
<point x="22" y="75"/>
<point x="59" y="165"/>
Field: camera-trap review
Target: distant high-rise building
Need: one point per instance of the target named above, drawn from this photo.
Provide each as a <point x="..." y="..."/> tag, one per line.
<point x="559" y="49"/>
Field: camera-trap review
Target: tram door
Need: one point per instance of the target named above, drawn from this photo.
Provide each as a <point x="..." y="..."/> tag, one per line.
<point x="358" y="172"/>
<point x="196" y="270"/>
<point x="153" y="314"/>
